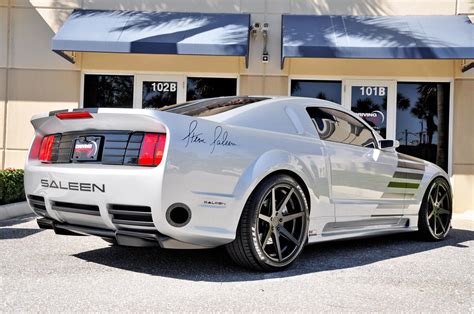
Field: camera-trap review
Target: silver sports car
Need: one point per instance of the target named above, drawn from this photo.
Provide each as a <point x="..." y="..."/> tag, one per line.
<point x="263" y="176"/>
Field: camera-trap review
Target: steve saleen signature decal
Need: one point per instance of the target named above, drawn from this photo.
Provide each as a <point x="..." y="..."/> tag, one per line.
<point x="220" y="137"/>
<point x="193" y="136"/>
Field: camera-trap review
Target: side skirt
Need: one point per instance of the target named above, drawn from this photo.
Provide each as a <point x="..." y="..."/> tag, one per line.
<point x="332" y="231"/>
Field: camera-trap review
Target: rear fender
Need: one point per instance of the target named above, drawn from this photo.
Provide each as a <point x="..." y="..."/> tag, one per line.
<point x="268" y="163"/>
<point x="432" y="172"/>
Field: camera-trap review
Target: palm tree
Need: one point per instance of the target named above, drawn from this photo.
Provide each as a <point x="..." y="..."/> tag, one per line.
<point x="442" y="146"/>
<point x="403" y="103"/>
<point x="431" y="104"/>
<point x="366" y="105"/>
<point x="426" y="108"/>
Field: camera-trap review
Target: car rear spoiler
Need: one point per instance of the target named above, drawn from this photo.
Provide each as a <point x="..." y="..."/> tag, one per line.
<point x="63" y="121"/>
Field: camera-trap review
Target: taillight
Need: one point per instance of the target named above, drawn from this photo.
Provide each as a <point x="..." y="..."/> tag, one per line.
<point x="74" y="115"/>
<point x="46" y="149"/>
<point x="152" y="150"/>
<point x="35" y="147"/>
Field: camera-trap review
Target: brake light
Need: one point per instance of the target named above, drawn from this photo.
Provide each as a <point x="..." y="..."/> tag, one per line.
<point x="160" y="149"/>
<point x="46" y="149"/>
<point x="74" y="115"/>
<point x="152" y="150"/>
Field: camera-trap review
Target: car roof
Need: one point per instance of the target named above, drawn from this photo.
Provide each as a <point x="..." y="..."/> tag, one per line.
<point x="272" y="104"/>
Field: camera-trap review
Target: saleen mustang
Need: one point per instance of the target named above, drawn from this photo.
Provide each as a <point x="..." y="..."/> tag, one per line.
<point x="263" y="176"/>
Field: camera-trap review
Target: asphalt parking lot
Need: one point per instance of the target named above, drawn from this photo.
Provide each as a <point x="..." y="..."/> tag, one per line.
<point x="40" y="271"/>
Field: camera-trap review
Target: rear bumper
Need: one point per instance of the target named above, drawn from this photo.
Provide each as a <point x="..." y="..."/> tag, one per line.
<point x="122" y="237"/>
<point x="136" y="191"/>
<point x="85" y="194"/>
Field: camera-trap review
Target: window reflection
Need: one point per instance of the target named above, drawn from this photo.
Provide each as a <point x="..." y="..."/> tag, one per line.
<point x="109" y="91"/>
<point x="157" y="94"/>
<point x="326" y="90"/>
<point x="336" y="126"/>
<point x="423" y="121"/>
<point x="208" y="87"/>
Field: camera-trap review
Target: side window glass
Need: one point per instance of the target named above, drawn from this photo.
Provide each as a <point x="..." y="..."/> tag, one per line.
<point x="337" y="126"/>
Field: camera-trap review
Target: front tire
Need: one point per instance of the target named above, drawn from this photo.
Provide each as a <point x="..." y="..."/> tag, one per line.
<point x="434" y="218"/>
<point x="273" y="228"/>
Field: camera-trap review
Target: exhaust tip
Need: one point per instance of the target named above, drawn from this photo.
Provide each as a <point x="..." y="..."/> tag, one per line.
<point x="178" y="215"/>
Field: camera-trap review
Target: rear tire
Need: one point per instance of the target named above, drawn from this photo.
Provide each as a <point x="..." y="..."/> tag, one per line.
<point x="273" y="228"/>
<point x="434" y="218"/>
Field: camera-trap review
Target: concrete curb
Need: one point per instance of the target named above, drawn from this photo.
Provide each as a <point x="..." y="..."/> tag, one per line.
<point x="13" y="210"/>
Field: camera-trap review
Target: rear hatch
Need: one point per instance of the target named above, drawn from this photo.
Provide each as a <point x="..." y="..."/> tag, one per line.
<point x="97" y="168"/>
<point x="111" y="136"/>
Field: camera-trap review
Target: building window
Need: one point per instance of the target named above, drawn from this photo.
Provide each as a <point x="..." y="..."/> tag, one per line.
<point x="327" y="90"/>
<point x="370" y="103"/>
<point x="108" y="91"/>
<point x="208" y="87"/>
<point x="423" y="121"/>
<point x="158" y="94"/>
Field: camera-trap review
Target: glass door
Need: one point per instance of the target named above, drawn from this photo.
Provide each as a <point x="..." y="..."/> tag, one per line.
<point x="156" y="91"/>
<point x="375" y="102"/>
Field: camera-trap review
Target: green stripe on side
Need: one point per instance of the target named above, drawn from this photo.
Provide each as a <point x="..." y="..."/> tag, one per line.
<point x="403" y="185"/>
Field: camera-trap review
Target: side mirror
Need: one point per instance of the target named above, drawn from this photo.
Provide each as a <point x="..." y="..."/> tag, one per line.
<point x="388" y="144"/>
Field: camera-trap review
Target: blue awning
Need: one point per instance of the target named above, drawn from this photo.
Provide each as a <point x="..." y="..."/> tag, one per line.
<point x="377" y="37"/>
<point x="154" y="33"/>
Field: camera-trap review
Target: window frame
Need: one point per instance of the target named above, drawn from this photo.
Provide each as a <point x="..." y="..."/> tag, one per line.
<point x="356" y="117"/>
<point x="450" y="111"/>
<point x="83" y="79"/>
<point x="153" y="73"/>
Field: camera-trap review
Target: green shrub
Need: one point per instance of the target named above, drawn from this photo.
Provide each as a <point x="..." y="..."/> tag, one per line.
<point x="11" y="186"/>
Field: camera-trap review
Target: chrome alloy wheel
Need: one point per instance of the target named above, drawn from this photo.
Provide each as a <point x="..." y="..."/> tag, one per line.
<point x="439" y="209"/>
<point x="281" y="223"/>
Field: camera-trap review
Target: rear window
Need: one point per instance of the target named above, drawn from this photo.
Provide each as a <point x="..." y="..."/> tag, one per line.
<point x="211" y="106"/>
